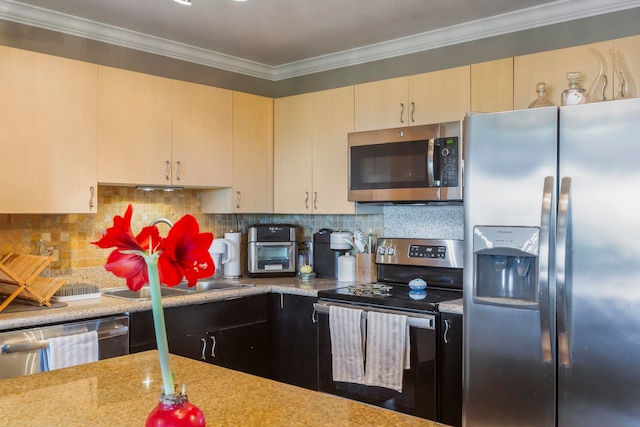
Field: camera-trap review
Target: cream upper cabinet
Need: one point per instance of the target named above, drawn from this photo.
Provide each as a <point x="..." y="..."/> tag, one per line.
<point x="134" y="128"/>
<point x="158" y="131"/>
<point x="492" y="86"/>
<point x="438" y="96"/>
<point x="201" y="146"/>
<point x="628" y="50"/>
<point x="552" y="66"/>
<point x="252" y="190"/>
<point x="382" y="104"/>
<point x="48" y="139"/>
<point x="310" y="152"/>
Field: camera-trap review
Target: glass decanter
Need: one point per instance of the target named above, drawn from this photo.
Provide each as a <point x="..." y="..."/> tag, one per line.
<point x="575" y="94"/>
<point x="541" y="100"/>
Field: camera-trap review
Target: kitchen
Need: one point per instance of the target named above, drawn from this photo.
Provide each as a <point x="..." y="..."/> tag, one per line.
<point x="68" y="235"/>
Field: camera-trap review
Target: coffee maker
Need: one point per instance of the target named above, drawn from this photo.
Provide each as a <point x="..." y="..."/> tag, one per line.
<point x="325" y="259"/>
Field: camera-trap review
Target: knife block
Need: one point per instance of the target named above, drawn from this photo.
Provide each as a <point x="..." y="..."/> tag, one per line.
<point x="366" y="270"/>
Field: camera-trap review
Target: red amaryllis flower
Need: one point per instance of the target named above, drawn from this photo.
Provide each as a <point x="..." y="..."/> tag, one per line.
<point x="128" y="265"/>
<point x="185" y="253"/>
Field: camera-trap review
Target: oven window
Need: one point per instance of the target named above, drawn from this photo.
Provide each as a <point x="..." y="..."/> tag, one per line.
<point x="390" y="165"/>
<point x="273" y="258"/>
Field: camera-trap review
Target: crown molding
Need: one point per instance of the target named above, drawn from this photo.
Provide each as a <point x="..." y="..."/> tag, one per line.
<point x="538" y="16"/>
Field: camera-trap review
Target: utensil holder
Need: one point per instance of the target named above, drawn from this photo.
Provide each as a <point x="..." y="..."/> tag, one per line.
<point x="366" y="270"/>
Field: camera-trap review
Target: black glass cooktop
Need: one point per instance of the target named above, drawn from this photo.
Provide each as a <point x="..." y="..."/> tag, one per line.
<point x="395" y="296"/>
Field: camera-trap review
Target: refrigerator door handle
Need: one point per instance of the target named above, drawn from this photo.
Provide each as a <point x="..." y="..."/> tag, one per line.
<point x="543" y="272"/>
<point x="564" y="353"/>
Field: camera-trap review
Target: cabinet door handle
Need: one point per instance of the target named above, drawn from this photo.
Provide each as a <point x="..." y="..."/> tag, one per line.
<point x="167" y="171"/>
<point x="315" y="200"/>
<point x="402" y="112"/>
<point x="204" y="347"/>
<point x="413" y="109"/>
<point x="213" y="346"/>
<point x="306" y="200"/>
<point x="237" y="200"/>
<point x="92" y="192"/>
<point x="447" y="328"/>
<point x="178" y="171"/>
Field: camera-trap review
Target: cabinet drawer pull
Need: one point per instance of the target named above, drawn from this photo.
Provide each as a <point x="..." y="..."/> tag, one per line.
<point x="413" y="109"/>
<point x="167" y="171"/>
<point x="237" y="200"/>
<point x="306" y="200"/>
<point x="315" y="200"/>
<point x="447" y="328"/>
<point x="92" y="192"/>
<point x="401" y="112"/>
<point x="178" y="171"/>
<point x="204" y="347"/>
<point x="213" y="346"/>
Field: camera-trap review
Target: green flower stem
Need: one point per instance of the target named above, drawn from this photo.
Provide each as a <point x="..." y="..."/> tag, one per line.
<point x="158" y="323"/>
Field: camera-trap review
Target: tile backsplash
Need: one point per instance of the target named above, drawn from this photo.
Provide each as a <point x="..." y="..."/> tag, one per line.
<point x="70" y="235"/>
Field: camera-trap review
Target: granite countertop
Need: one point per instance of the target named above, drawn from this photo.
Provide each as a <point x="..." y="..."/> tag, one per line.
<point x="109" y="306"/>
<point x="122" y="391"/>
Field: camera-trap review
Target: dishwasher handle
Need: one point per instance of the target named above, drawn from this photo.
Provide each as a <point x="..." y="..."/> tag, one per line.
<point x="38" y="345"/>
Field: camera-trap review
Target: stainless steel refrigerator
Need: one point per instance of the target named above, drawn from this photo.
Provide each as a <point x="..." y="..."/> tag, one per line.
<point x="552" y="266"/>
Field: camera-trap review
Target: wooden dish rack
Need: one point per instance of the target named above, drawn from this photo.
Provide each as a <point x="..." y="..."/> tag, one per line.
<point x="19" y="278"/>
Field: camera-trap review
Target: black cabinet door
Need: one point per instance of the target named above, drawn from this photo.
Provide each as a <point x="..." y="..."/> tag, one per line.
<point x="295" y="340"/>
<point x="196" y="346"/>
<point x="450" y="369"/>
<point x="245" y="348"/>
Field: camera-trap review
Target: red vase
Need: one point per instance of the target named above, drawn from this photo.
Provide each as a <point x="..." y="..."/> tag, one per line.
<point x="175" y="411"/>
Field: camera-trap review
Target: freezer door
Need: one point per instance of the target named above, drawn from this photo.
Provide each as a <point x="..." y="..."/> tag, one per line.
<point x="599" y="265"/>
<point x="509" y="340"/>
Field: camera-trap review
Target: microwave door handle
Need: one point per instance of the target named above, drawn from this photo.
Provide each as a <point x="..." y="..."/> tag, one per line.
<point x="431" y="180"/>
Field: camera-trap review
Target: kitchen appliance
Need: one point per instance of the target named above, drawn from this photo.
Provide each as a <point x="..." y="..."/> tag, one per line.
<point x="552" y="277"/>
<point x="272" y="250"/>
<point x="232" y="268"/>
<point x="409" y="164"/>
<point x="221" y="251"/>
<point x="20" y="350"/>
<point x="399" y="261"/>
<point x="326" y="254"/>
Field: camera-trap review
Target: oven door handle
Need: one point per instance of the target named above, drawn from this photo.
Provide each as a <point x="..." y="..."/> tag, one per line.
<point x="418" y="320"/>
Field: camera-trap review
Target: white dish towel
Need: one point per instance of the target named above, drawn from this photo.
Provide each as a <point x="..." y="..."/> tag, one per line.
<point x="70" y="350"/>
<point x="346" y="327"/>
<point x="388" y="350"/>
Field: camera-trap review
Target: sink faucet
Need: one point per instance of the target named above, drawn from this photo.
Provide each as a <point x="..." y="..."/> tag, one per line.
<point x="163" y="220"/>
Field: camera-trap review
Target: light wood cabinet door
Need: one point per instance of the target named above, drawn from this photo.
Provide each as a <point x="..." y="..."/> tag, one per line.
<point x="382" y="104"/>
<point x="552" y="66"/>
<point x="628" y="50"/>
<point x="134" y="128"/>
<point x="293" y="152"/>
<point x="439" y="96"/>
<point x="492" y="86"/>
<point x="252" y="190"/>
<point x="48" y="139"/>
<point x="332" y="122"/>
<point x="201" y="143"/>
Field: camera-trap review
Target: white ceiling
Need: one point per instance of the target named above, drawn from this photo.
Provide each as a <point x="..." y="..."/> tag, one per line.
<point x="278" y="39"/>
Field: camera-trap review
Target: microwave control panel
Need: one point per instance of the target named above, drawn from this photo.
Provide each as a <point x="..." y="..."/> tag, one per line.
<point x="448" y="161"/>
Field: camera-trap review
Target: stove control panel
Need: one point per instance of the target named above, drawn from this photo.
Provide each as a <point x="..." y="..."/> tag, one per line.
<point x="421" y="252"/>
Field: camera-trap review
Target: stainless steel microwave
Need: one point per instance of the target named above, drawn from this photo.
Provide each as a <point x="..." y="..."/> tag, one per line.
<point x="409" y="164"/>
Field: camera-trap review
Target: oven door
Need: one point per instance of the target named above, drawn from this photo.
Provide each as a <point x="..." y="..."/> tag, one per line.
<point x="418" y="396"/>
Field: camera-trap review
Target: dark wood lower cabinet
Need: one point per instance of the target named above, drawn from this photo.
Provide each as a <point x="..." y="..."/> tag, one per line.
<point x="233" y="333"/>
<point x="450" y="369"/>
<point x="295" y="340"/>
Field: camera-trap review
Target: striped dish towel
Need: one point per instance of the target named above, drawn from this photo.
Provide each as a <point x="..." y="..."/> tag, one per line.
<point x="70" y="350"/>
<point x="388" y="350"/>
<point x="346" y="327"/>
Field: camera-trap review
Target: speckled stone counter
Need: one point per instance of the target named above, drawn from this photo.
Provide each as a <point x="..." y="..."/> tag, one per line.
<point x="123" y="390"/>
<point x="454" y="306"/>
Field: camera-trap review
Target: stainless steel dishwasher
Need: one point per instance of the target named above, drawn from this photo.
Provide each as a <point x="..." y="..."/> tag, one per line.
<point x="20" y="349"/>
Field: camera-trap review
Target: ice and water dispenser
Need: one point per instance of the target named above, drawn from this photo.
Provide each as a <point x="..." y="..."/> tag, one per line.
<point x="506" y="265"/>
